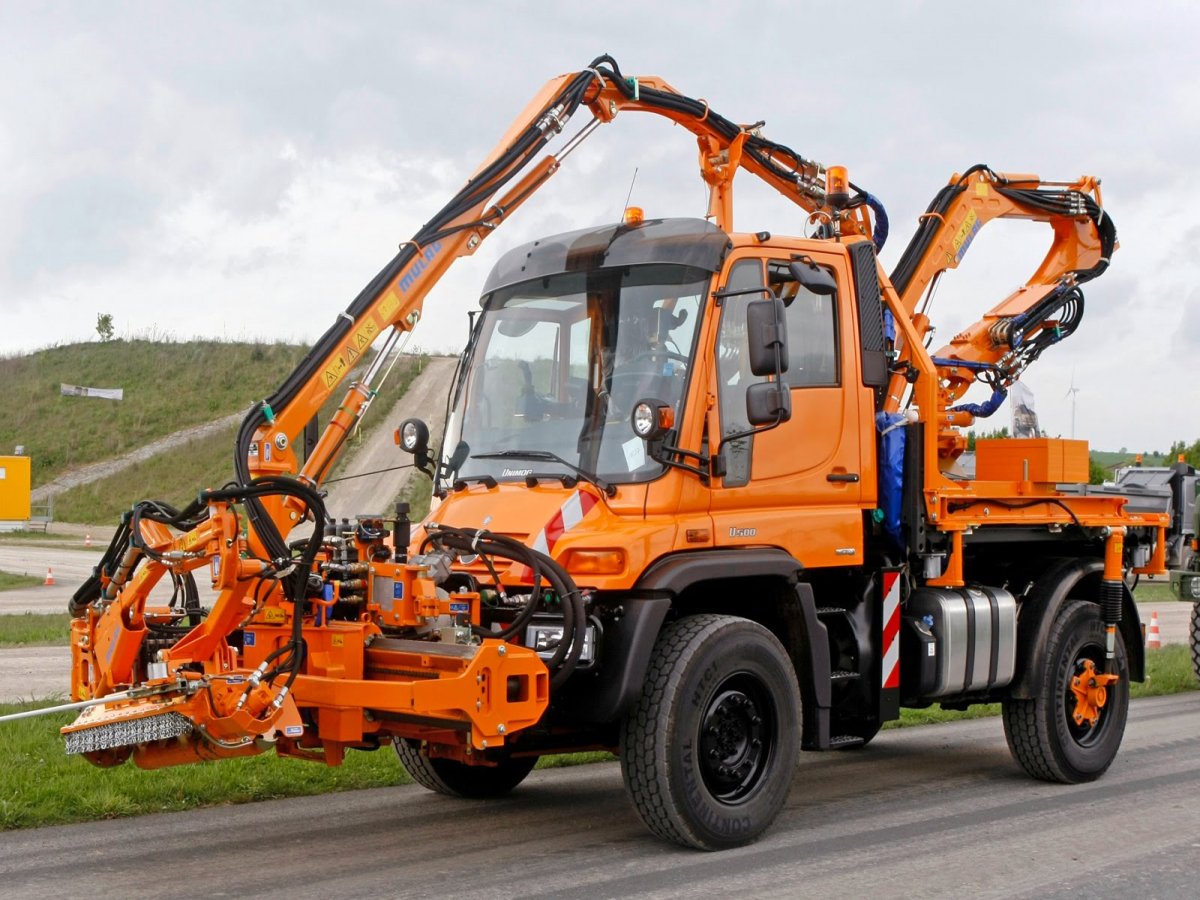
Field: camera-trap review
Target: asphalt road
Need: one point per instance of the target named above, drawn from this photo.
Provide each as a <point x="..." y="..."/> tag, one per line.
<point x="932" y="811"/>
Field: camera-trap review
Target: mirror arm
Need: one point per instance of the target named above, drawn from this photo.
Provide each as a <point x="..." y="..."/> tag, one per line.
<point x="662" y="453"/>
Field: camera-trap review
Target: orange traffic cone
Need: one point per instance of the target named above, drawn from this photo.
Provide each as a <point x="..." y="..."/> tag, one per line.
<point x="49" y="577"/>
<point x="1153" y="638"/>
<point x="87" y="539"/>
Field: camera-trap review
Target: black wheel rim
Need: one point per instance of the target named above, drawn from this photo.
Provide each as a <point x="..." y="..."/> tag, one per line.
<point x="1085" y="734"/>
<point x="737" y="737"/>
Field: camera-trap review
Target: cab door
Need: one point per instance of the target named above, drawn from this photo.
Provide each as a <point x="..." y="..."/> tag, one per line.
<point x="800" y="485"/>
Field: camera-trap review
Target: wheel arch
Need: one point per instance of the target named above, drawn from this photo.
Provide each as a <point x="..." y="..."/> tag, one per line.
<point x="769" y="592"/>
<point x="1061" y="580"/>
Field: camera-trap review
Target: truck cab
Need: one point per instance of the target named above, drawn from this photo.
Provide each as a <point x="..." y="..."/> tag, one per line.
<point x="577" y="329"/>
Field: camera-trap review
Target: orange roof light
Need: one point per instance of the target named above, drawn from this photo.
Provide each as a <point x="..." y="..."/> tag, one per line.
<point x="634" y="215"/>
<point x="837" y="186"/>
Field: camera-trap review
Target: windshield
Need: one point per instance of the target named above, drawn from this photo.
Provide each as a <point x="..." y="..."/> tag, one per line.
<point x="557" y="365"/>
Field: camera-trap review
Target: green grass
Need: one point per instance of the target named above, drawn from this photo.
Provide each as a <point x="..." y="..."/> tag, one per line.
<point x="1148" y="591"/>
<point x="40" y="785"/>
<point x="177" y="476"/>
<point x="8" y="581"/>
<point x="1168" y="671"/>
<point x="35" y="629"/>
<point x="167" y="386"/>
<point x="38" y="537"/>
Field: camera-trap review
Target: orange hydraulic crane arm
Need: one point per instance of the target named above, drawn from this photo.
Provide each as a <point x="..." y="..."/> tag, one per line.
<point x="1043" y="311"/>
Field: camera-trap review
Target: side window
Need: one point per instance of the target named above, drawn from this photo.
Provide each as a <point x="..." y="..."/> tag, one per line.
<point x="813" y="359"/>
<point x="733" y="370"/>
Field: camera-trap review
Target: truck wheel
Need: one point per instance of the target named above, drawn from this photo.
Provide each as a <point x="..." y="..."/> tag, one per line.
<point x="454" y="779"/>
<point x="1042" y="733"/>
<point x="1196" y="639"/>
<point x="709" y="750"/>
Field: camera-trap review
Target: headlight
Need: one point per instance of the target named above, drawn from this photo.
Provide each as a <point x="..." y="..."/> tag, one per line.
<point x="412" y="436"/>
<point x="1192" y="588"/>
<point x="651" y="419"/>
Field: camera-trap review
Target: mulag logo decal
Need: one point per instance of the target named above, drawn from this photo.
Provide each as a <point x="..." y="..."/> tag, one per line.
<point x="418" y="267"/>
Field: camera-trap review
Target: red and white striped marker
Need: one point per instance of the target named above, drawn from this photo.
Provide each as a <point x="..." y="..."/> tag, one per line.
<point x="49" y="582"/>
<point x="570" y="514"/>
<point x="1153" y="637"/>
<point x="891" y="630"/>
<point x="87" y="539"/>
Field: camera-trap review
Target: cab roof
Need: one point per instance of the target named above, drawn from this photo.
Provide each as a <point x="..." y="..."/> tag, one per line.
<point x="685" y="242"/>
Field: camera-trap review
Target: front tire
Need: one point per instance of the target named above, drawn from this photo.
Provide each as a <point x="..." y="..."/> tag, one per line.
<point x="455" y="779"/>
<point x="1041" y="733"/>
<point x="710" y="748"/>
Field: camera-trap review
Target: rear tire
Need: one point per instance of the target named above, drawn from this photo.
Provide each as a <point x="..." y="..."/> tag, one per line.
<point x="710" y="748"/>
<point x="1041" y="733"/>
<point x="1196" y="639"/>
<point x="455" y="779"/>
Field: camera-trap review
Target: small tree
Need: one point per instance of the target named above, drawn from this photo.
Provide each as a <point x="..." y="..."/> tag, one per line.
<point x="104" y="326"/>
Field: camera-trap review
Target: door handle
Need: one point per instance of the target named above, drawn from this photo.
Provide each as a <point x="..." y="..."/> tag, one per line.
<point x="844" y="477"/>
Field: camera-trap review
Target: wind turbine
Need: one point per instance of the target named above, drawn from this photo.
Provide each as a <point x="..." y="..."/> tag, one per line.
<point x="1071" y="392"/>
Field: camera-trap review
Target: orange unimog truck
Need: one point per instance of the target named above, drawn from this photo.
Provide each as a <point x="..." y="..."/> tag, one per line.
<point x="697" y="503"/>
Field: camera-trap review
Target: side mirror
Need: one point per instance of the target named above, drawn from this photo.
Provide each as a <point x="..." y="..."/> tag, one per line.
<point x="766" y="332"/>
<point x="651" y="419"/>
<point x="812" y="276"/>
<point x="413" y="437"/>
<point x="768" y="403"/>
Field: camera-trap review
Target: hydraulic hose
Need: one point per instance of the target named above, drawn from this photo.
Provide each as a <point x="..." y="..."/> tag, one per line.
<point x="566" y="656"/>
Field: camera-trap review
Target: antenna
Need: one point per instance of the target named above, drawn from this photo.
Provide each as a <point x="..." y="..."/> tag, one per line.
<point x="632" y="182"/>
<point x="1071" y="392"/>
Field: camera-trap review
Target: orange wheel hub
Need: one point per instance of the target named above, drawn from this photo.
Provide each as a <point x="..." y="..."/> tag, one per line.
<point x="1091" y="693"/>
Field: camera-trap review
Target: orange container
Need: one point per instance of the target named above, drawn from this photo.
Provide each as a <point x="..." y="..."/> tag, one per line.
<point x="1049" y="460"/>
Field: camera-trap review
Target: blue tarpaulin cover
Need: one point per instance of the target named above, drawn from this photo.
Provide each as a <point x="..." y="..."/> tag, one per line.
<point x="891" y="471"/>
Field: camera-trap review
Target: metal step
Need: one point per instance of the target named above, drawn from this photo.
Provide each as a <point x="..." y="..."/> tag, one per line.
<point x="843" y="675"/>
<point x="842" y="741"/>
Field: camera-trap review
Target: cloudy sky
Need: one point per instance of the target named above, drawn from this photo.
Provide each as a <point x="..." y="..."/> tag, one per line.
<point x="240" y="170"/>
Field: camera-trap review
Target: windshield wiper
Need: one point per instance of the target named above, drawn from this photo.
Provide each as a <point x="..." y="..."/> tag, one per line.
<point x="547" y="456"/>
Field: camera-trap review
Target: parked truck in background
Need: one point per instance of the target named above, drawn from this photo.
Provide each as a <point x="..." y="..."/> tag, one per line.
<point x="1171" y="490"/>
<point x="695" y="503"/>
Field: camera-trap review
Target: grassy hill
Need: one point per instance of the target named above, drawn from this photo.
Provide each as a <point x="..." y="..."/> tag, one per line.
<point x="168" y="386"/>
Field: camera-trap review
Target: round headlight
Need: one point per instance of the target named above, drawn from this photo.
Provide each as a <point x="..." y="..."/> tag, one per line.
<point x="1193" y="587"/>
<point x="413" y="436"/>
<point x="651" y="418"/>
<point x="408" y="436"/>
<point x="645" y="419"/>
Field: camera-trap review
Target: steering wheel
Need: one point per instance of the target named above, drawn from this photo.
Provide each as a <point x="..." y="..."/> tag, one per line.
<point x="659" y="353"/>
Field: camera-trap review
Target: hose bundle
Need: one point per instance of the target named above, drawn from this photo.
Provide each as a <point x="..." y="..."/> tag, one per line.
<point x="489" y="545"/>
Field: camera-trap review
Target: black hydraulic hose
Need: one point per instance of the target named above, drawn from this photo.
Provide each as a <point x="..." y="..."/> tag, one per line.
<point x="566" y="656"/>
<point x="1068" y="203"/>
<point x="464" y="541"/>
<point x="576" y="625"/>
